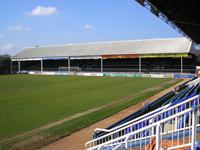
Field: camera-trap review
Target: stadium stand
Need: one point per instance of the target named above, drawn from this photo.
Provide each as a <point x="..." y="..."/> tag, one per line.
<point x="171" y="122"/>
<point x="152" y="55"/>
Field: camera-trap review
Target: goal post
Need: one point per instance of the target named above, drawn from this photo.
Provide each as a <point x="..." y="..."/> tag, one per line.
<point x="66" y="69"/>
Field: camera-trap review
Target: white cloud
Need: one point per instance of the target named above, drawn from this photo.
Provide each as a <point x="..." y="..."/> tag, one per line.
<point x="43" y="11"/>
<point x="88" y="27"/>
<point x="18" y="28"/>
<point x="9" y="48"/>
<point x="1" y="35"/>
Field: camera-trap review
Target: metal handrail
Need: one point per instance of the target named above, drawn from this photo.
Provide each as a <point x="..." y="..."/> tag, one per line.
<point x="142" y="120"/>
<point x="145" y="128"/>
<point x="131" y="121"/>
<point x="194" y="82"/>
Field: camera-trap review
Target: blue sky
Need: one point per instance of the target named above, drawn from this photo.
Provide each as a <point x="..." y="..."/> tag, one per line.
<point x="26" y="23"/>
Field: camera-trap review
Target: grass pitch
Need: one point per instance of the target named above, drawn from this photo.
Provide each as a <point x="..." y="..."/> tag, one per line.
<point x="28" y="102"/>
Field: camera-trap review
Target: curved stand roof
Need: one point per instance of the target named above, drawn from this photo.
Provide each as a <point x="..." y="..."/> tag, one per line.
<point x="149" y="46"/>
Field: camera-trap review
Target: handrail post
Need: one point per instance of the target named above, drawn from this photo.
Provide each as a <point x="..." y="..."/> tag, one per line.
<point x="126" y="142"/>
<point x="158" y="136"/>
<point x="194" y="116"/>
<point x="99" y="148"/>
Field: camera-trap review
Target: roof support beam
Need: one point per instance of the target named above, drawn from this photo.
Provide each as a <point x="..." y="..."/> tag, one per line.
<point x="41" y="63"/>
<point x="140" y="62"/>
<point x="181" y="64"/>
<point x="19" y="66"/>
<point x="69" y="69"/>
<point x="101" y="65"/>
